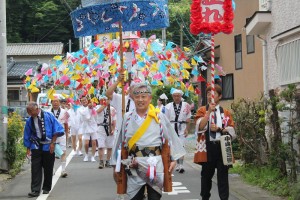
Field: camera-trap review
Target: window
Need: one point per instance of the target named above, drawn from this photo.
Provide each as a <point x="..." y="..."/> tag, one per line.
<point x="13" y="95"/>
<point x="250" y="44"/>
<point x="227" y="87"/>
<point x="238" y="51"/>
<point x="289" y="62"/>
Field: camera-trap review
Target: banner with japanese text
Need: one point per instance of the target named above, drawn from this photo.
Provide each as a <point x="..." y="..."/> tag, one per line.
<point x="211" y="16"/>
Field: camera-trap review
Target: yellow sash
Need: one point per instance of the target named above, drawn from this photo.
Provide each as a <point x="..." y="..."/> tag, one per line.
<point x="152" y="114"/>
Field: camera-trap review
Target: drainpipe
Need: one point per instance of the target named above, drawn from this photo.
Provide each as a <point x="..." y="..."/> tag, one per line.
<point x="265" y="66"/>
<point x="265" y="80"/>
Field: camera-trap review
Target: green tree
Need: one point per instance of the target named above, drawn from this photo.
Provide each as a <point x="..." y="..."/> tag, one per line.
<point x="179" y="11"/>
<point x="40" y="21"/>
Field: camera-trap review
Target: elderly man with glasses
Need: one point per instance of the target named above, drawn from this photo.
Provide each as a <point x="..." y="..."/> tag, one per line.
<point x="144" y="131"/>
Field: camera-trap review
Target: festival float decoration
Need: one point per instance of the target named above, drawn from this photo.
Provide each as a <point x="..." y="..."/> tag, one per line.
<point x="210" y="17"/>
<point x="86" y="71"/>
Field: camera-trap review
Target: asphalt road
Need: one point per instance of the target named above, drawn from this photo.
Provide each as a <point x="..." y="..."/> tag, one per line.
<point x="87" y="182"/>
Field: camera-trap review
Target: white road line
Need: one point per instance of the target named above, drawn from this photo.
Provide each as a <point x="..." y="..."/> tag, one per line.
<point x="57" y="176"/>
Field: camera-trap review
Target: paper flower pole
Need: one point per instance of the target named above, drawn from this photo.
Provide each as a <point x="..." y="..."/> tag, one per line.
<point x="86" y="71"/>
<point x="212" y="16"/>
<point x="118" y="16"/>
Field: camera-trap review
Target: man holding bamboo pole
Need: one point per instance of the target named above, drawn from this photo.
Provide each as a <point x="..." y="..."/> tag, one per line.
<point x="152" y="145"/>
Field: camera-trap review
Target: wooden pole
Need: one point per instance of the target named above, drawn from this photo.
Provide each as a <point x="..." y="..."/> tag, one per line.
<point x="122" y="178"/>
<point x="122" y="67"/>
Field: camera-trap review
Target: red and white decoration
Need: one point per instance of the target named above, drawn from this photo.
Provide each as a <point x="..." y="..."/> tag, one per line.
<point x="211" y="16"/>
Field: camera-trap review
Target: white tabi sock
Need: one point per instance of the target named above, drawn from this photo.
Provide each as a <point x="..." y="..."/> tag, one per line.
<point x="63" y="166"/>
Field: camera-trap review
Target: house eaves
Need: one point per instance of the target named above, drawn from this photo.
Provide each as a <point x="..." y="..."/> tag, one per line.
<point x="17" y="69"/>
<point x="34" y="49"/>
<point x="258" y="22"/>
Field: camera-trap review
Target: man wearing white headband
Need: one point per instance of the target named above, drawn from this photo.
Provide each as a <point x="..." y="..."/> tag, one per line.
<point x="62" y="116"/>
<point x="144" y="131"/>
<point x="179" y="114"/>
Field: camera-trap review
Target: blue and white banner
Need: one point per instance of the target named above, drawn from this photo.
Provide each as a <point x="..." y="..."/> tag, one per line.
<point x="106" y="16"/>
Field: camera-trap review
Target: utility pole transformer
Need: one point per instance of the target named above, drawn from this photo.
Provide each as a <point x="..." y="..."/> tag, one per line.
<point x="3" y="86"/>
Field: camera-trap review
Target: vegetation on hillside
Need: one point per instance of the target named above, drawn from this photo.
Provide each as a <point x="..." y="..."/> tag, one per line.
<point x="49" y="21"/>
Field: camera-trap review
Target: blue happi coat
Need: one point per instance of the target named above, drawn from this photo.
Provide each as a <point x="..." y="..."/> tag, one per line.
<point x="52" y="127"/>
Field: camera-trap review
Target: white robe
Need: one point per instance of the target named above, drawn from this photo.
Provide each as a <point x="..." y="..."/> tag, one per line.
<point x="74" y="119"/>
<point x="63" y="119"/>
<point x="100" y="119"/>
<point x="116" y="102"/>
<point x="88" y="122"/>
<point x="150" y="138"/>
<point x="185" y="114"/>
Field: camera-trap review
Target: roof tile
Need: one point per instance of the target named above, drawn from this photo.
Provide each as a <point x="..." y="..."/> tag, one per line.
<point x="27" y="49"/>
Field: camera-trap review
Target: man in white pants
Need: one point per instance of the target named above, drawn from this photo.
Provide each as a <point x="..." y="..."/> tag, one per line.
<point x="74" y="125"/>
<point x="88" y="127"/>
<point x="105" y="131"/>
<point x="179" y="114"/>
<point x="62" y="116"/>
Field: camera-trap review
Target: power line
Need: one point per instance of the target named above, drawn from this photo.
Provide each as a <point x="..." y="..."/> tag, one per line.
<point x="52" y="29"/>
<point x="184" y="23"/>
<point x="66" y="3"/>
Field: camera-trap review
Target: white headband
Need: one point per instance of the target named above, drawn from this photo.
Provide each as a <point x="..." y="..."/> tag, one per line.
<point x="177" y="91"/>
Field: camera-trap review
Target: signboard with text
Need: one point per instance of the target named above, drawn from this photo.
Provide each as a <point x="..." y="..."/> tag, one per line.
<point x="211" y="16"/>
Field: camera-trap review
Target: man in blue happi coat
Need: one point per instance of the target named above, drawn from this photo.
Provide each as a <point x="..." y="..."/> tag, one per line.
<point x="40" y="133"/>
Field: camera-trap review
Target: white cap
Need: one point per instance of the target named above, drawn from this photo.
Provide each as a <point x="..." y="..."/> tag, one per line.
<point x="163" y="96"/>
<point x="177" y="91"/>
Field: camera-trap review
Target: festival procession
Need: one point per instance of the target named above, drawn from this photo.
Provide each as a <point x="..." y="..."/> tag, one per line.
<point x="138" y="111"/>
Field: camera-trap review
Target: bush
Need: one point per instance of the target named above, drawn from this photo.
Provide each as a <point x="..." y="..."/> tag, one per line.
<point x="249" y="118"/>
<point x="15" y="151"/>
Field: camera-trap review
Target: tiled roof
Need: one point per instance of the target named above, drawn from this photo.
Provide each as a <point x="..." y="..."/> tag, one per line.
<point x="18" y="69"/>
<point x="28" y="49"/>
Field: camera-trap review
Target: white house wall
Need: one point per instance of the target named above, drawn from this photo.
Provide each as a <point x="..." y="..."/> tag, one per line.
<point x="285" y="16"/>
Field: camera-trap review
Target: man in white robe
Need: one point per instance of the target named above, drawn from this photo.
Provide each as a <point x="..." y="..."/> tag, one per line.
<point x="105" y="131"/>
<point x="179" y="114"/>
<point x="74" y="125"/>
<point x="88" y="127"/>
<point x="145" y="153"/>
<point x="62" y="116"/>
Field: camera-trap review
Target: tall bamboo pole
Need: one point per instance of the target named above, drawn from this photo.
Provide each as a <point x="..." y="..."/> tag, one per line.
<point x="122" y="178"/>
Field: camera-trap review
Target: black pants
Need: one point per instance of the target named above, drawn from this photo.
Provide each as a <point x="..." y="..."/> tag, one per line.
<point x="152" y="194"/>
<point x="41" y="160"/>
<point x="208" y="170"/>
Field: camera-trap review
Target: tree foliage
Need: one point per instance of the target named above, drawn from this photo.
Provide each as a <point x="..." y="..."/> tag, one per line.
<point x="179" y="13"/>
<point x="49" y="21"/>
<point x="40" y="21"/>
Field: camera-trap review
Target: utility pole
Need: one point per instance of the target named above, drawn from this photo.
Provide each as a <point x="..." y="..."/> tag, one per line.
<point x="163" y="32"/>
<point x="3" y="86"/>
<point x="181" y="35"/>
<point x="70" y="45"/>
